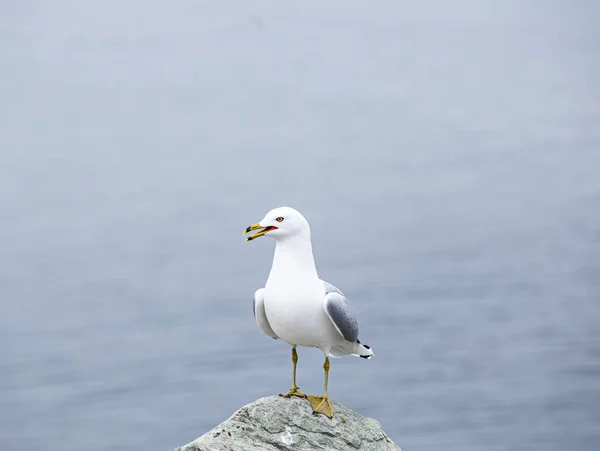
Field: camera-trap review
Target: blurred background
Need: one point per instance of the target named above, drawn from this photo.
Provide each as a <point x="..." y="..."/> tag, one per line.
<point x="447" y="155"/>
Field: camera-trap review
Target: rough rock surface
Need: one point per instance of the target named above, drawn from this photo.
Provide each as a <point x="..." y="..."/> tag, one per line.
<point x="276" y="423"/>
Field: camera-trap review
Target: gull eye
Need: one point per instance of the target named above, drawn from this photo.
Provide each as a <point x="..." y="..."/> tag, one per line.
<point x="279" y="219"/>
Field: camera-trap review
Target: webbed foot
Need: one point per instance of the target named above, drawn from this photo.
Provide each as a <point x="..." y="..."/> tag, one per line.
<point x="320" y="404"/>
<point x="294" y="391"/>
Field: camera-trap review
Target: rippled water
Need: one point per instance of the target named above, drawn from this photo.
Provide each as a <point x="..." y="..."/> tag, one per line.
<point x="446" y="154"/>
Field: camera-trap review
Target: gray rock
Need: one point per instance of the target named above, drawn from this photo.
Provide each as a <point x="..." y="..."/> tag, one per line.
<point x="276" y="423"/>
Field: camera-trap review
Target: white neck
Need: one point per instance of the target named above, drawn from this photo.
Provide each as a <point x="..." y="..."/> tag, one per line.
<point x="293" y="255"/>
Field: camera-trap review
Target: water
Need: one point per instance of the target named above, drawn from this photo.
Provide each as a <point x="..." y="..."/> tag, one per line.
<point x="447" y="157"/>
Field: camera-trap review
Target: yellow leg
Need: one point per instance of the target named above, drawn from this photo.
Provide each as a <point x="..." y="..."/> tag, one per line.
<point x="321" y="404"/>
<point x="294" y="391"/>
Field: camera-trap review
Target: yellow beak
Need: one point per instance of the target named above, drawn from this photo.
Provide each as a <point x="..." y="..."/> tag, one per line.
<point x="257" y="234"/>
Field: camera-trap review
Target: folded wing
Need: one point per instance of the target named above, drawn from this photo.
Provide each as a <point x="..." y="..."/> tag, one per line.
<point x="340" y="312"/>
<point x="258" y="307"/>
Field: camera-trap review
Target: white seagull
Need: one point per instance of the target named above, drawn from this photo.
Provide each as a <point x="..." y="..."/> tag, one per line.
<point x="298" y="307"/>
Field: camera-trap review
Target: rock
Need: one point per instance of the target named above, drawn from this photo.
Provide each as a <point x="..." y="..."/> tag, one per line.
<point x="276" y="423"/>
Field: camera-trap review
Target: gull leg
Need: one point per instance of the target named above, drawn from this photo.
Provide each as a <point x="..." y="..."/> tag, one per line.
<point x="294" y="391"/>
<point x="321" y="404"/>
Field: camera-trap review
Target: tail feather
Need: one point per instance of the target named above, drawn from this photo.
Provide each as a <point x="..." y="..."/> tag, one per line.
<point x="363" y="351"/>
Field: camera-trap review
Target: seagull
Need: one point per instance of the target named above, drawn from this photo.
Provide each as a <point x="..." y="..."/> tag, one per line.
<point x="298" y="307"/>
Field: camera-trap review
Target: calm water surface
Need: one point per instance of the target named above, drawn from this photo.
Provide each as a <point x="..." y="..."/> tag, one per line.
<point x="447" y="157"/>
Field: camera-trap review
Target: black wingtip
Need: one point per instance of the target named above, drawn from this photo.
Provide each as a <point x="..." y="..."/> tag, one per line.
<point x="366" y="356"/>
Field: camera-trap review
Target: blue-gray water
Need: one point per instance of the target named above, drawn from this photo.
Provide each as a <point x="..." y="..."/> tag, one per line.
<point x="447" y="155"/>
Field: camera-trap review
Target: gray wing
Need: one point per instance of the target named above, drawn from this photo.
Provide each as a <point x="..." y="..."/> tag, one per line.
<point x="340" y="312"/>
<point x="258" y="307"/>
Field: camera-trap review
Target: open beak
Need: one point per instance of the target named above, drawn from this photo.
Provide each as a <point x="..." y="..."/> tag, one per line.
<point x="258" y="234"/>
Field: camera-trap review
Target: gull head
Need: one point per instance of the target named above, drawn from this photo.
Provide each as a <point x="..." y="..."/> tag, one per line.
<point x="280" y="223"/>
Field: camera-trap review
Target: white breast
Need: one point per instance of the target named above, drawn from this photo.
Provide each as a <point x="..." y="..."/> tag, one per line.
<point x="294" y="296"/>
<point x="294" y="309"/>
